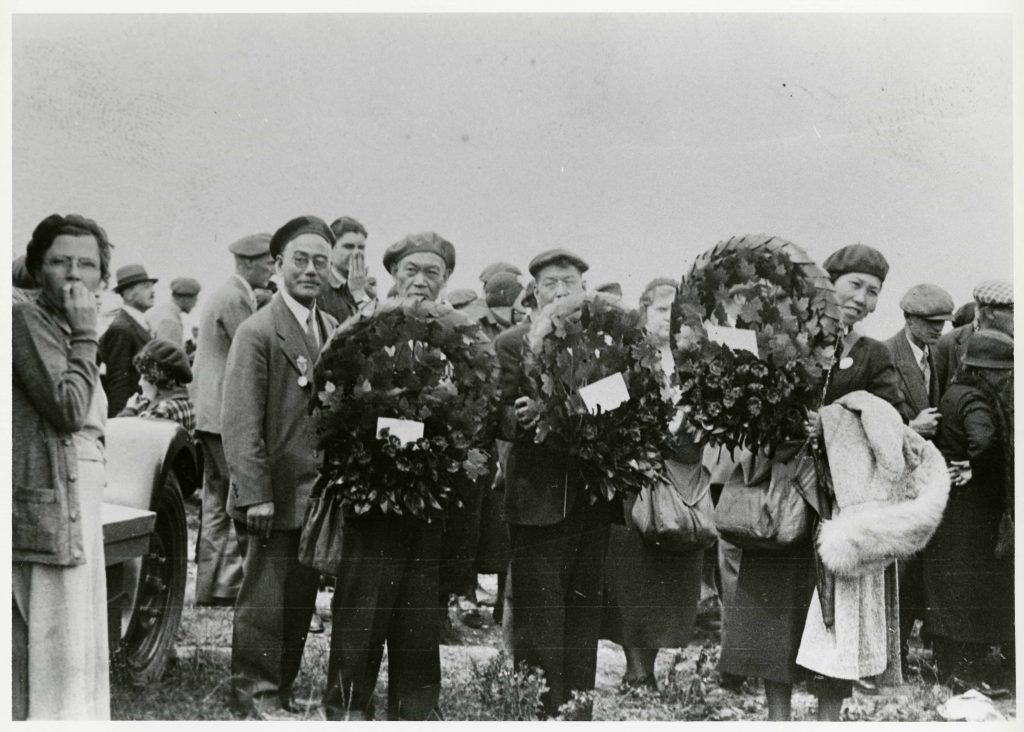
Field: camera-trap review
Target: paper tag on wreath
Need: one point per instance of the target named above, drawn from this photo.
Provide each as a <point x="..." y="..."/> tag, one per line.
<point x="405" y="430"/>
<point x="609" y="393"/>
<point x="738" y="339"/>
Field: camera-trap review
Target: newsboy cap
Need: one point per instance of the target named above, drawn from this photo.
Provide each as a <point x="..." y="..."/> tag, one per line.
<point x="989" y="349"/>
<point x="426" y="241"/>
<point x="492" y="269"/>
<point x="994" y="292"/>
<point x="297" y="227"/>
<point x="502" y="289"/>
<point x="856" y="258"/>
<point x="611" y="288"/>
<point x="254" y="245"/>
<point x="168" y="357"/>
<point x="131" y="274"/>
<point x="461" y="298"/>
<point x="557" y="256"/>
<point x="927" y="301"/>
<point x="185" y="286"/>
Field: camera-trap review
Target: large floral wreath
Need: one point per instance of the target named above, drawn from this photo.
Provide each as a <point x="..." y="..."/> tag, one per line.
<point x="411" y="360"/>
<point x="770" y="286"/>
<point x="579" y="340"/>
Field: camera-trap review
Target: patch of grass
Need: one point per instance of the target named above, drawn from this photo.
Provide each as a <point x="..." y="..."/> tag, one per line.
<point x="495" y="690"/>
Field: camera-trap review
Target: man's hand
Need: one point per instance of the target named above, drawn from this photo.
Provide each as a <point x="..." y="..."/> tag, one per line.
<point x="959" y="472"/>
<point x="259" y="519"/>
<point x="79" y="306"/>
<point x="526" y="412"/>
<point x="357" y="276"/>
<point x="926" y="423"/>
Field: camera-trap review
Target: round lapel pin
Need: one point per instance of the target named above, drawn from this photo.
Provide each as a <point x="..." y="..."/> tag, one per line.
<point x="845" y="363"/>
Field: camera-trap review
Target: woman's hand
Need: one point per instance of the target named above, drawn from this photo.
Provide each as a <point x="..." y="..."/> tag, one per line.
<point x="959" y="472"/>
<point x="79" y="306"/>
<point x="526" y="412"/>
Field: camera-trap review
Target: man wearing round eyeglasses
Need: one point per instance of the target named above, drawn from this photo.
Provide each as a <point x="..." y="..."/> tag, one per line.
<point x="272" y="457"/>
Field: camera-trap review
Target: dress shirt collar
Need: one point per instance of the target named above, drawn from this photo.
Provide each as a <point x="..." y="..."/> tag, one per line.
<point x="300" y="311"/>
<point x="919" y="353"/>
<point x="336" y="279"/>
<point x="136" y="315"/>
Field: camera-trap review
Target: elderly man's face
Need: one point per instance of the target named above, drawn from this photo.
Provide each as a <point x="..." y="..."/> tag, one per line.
<point x="303" y="266"/>
<point x="998" y="317"/>
<point x="349" y="243"/>
<point x="140" y="296"/>
<point x="556" y="281"/>
<point x="420" y="274"/>
<point x="922" y="331"/>
<point x="187" y="302"/>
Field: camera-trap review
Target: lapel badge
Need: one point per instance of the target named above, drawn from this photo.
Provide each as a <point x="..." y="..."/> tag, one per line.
<point x="845" y="363"/>
<point x="302" y="364"/>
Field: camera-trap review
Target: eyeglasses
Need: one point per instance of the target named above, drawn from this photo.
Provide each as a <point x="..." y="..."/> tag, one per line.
<point x="302" y="261"/>
<point x="65" y="263"/>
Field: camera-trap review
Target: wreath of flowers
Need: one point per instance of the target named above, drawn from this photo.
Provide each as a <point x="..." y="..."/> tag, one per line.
<point x="732" y="397"/>
<point x="579" y="340"/>
<point x="410" y="360"/>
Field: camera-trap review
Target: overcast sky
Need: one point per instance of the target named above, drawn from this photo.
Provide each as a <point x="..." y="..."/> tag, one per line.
<point x="636" y="140"/>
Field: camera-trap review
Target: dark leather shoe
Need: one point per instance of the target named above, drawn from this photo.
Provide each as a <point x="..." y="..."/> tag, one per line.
<point x="866" y="686"/>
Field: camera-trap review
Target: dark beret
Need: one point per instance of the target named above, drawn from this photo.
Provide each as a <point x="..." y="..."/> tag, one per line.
<point x="502" y="289"/>
<point x="185" y="286"/>
<point x="169" y="357"/>
<point x="989" y="349"/>
<point x="928" y="301"/>
<point x="492" y="269"/>
<point x="557" y="256"/>
<point x="296" y="227"/>
<point x="426" y="241"/>
<point x="856" y="258"/>
<point x="461" y="298"/>
<point x="254" y="245"/>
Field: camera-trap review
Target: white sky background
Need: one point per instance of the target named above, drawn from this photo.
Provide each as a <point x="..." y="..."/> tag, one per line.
<point x="636" y="140"/>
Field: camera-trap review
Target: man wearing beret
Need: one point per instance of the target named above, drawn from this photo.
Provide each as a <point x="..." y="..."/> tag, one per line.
<point x="386" y="588"/>
<point x="273" y="461"/>
<point x="165" y="320"/>
<point x="348" y="285"/>
<point x="492" y="269"/>
<point x="993" y="301"/>
<point x="559" y="536"/>
<point x="127" y="333"/>
<point x="218" y="559"/>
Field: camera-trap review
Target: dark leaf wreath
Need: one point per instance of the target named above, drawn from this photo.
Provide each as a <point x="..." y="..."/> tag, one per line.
<point x="411" y="360"/>
<point x="768" y="285"/>
<point x="575" y="342"/>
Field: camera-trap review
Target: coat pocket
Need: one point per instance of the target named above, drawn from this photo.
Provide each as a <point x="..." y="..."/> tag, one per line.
<point x="40" y="513"/>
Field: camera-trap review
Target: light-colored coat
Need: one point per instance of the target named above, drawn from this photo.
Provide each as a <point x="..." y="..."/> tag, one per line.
<point x="165" y="322"/>
<point x="228" y="307"/>
<point x="271" y="444"/>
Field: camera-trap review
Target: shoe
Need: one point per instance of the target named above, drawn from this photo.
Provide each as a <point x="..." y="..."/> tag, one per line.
<point x="866" y="686"/>
<point x="709" y="614"/>
<point x="469" y="613"/>
<point x="316" y="625"/>
<point x="646" y="682"/>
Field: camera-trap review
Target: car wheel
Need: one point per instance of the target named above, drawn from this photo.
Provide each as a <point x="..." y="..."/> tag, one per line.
<point x="149" y="639"/>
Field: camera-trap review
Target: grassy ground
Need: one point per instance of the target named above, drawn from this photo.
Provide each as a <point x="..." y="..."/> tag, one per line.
<point x="479" y="682"/>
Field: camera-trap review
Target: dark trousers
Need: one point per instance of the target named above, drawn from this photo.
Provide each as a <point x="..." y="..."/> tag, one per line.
<point x="19" y="664"/>
<point x="558" y="579"/>
<point x="275" y="601"/>
<point x="218" y="558"/>
<point x="459" y="546"/>
<point x="912" y="600"/>
<point x="386" y="591"/>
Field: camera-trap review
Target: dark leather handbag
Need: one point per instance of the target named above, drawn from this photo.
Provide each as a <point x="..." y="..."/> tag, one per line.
<point x="320" y="538"/>
<point x="675" y="515"/>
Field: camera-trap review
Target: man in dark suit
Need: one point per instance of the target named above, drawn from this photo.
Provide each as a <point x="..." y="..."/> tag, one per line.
<point x="558" y="535"/>
<point x="218" y="559"/>
<point x="348" y="286"/>
<point x="926" y="310"/>
<point x="272" y="457"/>
<point x="127" y="333"/>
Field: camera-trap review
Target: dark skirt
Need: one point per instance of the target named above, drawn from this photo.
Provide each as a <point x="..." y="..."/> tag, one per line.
<point x="969" y="591"/>
<point x="650" y="596"/>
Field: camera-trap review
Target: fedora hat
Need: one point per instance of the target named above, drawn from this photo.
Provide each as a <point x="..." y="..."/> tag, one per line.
<point x="131" y="274"/>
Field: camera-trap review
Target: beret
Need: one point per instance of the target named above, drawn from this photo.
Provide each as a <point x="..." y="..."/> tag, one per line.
<point x="612" y="288"/>
<point x="254" y="245"/>
<point x="185" y="286"/>
<point x="989" y="349"/>
<point x="131" y="274"/>
<point x="856" y="258"/>
<point x="492" y="269"/>
<point x="426" y="241"/>
<point x="168" y="356"/>
<point x="928" y="301"/>
<point x="993" y="292"/>
<point x="461" y="298"/>
<point x="297" y="227"/>
<point x="502" y="289"/>
<point x="556" y="256"/>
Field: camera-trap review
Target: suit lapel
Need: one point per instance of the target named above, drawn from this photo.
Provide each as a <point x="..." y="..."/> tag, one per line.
<point x="134" y="326"/>
<point x="910" y="371"/>
<point x="291" y="339"/>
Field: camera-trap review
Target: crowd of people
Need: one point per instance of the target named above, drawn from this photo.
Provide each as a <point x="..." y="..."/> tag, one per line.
<point x="571" y="569"/>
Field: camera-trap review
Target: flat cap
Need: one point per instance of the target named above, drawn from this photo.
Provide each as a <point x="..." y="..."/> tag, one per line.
<point x="612" y="288"/>
<point x="928" y="301"/>
<point x="502" y="289"/>
<point x="994" y="292"/>
<point x="989" y="349"/>
<point x="856" y="258"/>
<point x="167" y="357"/>
<point x="557" y="256"/>
<point x="461" y="298"/>
<point x="131" y="274"/>
<point x="185" y="286"/>
<point x="254" y="245"/>
<point x="426" y="241"/>
<point x="492" y="269"/>
<point x="297" y="227"/>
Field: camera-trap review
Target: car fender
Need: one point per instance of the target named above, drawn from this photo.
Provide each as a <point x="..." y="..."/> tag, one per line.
<point x="140" y="452"/>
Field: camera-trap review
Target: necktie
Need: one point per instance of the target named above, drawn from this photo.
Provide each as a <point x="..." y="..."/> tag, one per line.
<point x="926" y="369"/>
<point x="311" y="330"/>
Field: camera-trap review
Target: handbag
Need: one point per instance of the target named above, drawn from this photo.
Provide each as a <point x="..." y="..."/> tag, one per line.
<point x="762" y="504"/>
<point x="1004" y="537"/>
<point x="320" y="538"/>
<point x="675" y="514"/>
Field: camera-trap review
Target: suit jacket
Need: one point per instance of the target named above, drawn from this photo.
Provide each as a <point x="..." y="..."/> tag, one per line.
<point x="336" y="300"/>
<point x="123" y="338"/>
<point x="165" y="322"/>
<point x="911" y="380"/>
<point x="226" y="309"/>
<point x="542" y="483"/>
<point x="947" y="354"/>
<point x="271" y="446"/>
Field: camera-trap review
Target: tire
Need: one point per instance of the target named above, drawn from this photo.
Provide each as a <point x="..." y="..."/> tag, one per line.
<point x="149" y="640"/>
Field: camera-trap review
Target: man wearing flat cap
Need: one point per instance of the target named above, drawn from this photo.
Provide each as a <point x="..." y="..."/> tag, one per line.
<point x="492" y="269"/>
<point x="165" y="320"/>
<point x="218" y="559"/>
<point x="348" y="287"/>
<point x="559" y="536"/>
<point x="127" y="333"/>
<point x="993" y="300"/>
<point x="273" y="461"/>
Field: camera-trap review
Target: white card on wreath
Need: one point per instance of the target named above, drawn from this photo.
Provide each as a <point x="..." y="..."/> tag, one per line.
<point x="405" y="430"/>
<point x="609" y="393"/>
<point x="738" y="339"/>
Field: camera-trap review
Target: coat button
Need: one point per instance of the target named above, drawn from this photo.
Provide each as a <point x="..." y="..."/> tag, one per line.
<point x="74" y="516"/>
<point x="67" y="441"/>
<point x="77" y="554"/>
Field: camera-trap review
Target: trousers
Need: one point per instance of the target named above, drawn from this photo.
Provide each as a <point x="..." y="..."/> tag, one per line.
<point x="218" y="558"/>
